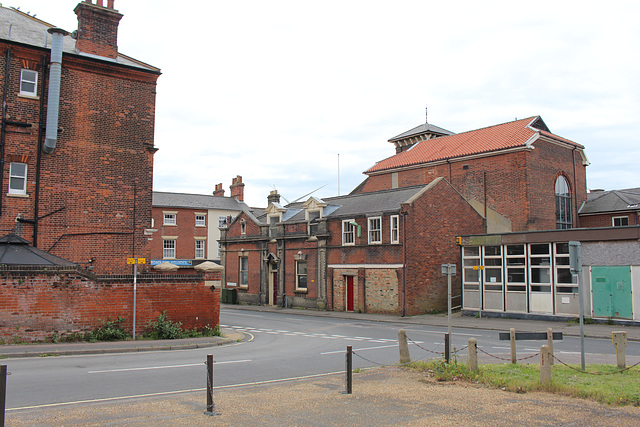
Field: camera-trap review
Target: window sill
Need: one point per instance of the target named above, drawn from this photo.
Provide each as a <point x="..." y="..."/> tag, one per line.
<point x="170" y="225"/>
<point x="301" y="291"/>
<point x="26" y="96"/>
<point x="23" y="196"/>
<point x="243" y="287"/>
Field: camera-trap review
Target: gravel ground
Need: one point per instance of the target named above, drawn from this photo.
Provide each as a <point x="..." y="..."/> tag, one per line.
<point x="382" y="396"/>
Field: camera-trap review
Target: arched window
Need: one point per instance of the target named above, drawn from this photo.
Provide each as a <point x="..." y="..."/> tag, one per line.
<point x="563" y="203"/>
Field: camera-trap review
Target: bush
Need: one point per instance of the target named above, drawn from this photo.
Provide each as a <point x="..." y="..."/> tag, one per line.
<point x="111" y="330"/>
<point x="164" y="329"/>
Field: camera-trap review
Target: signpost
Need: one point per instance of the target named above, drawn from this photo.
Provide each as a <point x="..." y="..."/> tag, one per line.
<point x="575" y="264"/>
<point x="135" y="262"/>
<point x="448" y="270"/>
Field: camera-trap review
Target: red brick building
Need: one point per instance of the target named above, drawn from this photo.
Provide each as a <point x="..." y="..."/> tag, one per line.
<point x="373" y="252"/>
<point x="514" y="170"/>
<point x="77" y="138"/>
<point x="186" y="227"/>
<point x="380" y="249"/>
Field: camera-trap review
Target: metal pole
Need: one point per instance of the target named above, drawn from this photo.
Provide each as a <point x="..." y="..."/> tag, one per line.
<point x="575" y="263"/>
<point x="449" y="308"/>
<point x="211" y="406"/>
<point x="348" y="370"/>
<point x="580" y="301"/>
<point x="447" y="348"/>
<point x="3" y="392"/>
<point x="135" y="291"/>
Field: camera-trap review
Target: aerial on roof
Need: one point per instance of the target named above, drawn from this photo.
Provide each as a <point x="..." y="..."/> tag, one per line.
<point x="19" y="27"/>
<point x="517" y="134"/>
<point x="611" y="201"/>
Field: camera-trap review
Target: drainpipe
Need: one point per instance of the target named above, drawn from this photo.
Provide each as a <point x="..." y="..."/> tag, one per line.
<point x="36" y="198"/>
<point x="7" y="67"/>
<point x="575" y="189"/>
<point x="404" y="261"/>
<point x="53" y="99"/>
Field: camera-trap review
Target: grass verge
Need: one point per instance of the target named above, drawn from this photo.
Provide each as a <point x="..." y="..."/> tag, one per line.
<point x="602" y="383"/>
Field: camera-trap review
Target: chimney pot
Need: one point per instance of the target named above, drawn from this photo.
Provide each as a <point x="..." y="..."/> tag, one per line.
<point x="219" y="191"/>
<point x="237" y="188"/>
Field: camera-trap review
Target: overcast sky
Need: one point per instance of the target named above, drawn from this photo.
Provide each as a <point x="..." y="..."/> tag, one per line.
<point x="294" y="94"/>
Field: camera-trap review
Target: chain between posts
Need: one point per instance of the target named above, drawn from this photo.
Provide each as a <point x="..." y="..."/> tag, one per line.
<point x="597" y="373"/>
<point x="507" y="359"/>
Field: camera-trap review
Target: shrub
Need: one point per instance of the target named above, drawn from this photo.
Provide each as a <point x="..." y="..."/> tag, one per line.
<point x="164" y="329"/>
<point x="111" y="330"/>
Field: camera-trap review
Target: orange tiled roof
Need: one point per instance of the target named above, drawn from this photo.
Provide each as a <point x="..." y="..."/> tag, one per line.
<point x="493" y="138"/>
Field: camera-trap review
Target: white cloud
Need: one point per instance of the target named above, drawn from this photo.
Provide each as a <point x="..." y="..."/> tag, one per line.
<point x="274" y="91"/>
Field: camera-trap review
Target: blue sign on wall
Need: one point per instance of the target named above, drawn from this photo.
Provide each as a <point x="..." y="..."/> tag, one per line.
<point x="185" y="262"/>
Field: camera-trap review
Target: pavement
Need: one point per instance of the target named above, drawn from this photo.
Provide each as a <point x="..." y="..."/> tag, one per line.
<point x="230" y="336"/>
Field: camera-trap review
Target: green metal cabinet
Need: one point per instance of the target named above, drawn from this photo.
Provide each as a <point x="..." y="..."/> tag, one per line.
<point x="611" y="292"/>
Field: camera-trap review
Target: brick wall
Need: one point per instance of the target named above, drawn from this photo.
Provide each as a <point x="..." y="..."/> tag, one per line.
<point x="432" y="223"/>
<point x="95" y="188"/>
<point x="519" y="185"/>
<point x="37" y="304"/>
<point x="606" y="220"/>
<point x="185" y="229"/>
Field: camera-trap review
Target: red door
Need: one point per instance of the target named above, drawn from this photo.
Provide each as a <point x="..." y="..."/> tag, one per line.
<point x="349" y="293"/>
<point x="275" y="288"/>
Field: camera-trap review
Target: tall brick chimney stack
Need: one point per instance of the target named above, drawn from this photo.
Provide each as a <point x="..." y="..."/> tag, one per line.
<point x="98" y="28"/>
<point x="219" y="191"/>
<point x="237" y="188"/>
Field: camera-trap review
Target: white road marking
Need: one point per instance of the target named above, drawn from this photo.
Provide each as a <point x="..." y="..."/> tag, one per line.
<point x="146" y="368"/>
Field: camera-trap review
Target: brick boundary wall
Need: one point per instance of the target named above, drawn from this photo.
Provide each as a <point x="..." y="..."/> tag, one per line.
<point x="37" y="303"/>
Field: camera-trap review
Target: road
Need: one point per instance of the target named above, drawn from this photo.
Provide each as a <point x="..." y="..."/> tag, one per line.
<point x="278" y="346"/>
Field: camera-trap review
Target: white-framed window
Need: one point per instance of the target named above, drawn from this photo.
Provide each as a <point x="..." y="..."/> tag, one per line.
<point x="563" y="203"/>
<point x="222" y="221"/>
<point x="169" y="248"/>
<point x="28" y="82"/>
<point x="200" y="244"/>
<point x="244" y="271"/>
<point x="301" y="275"/>
<point x="219" y="249"/>
<point x="201" y="220"/>
<point x="243" y="227"/>
<point x="375" y="230"/>
<point x="18" y="178"/>
<point x="616" y="221"/>
<point x="348" y="232"/>
<point x="170" y="218"/>
<point x="395" y="228"/>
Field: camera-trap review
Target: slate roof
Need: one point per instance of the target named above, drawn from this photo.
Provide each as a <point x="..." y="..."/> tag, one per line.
<point x="425" y="127"/>
<point x="196" y="201"/>
<point x="611" y="201"/>
<point x="19" y="27"/>
<point x="14" y="250"/>
<point x="509" y="135"/>
<point x="377" y="202"/>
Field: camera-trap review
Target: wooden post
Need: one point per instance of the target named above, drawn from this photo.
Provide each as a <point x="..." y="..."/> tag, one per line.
<point x="545" y="365"/>
<point x="403" y="347"/>
<point x="512" y="335"/>
<point x="550" y="343"/>
<point x="619" y="339"/>
<point x="348" y="387"/>
<point x="472" y="354"/>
